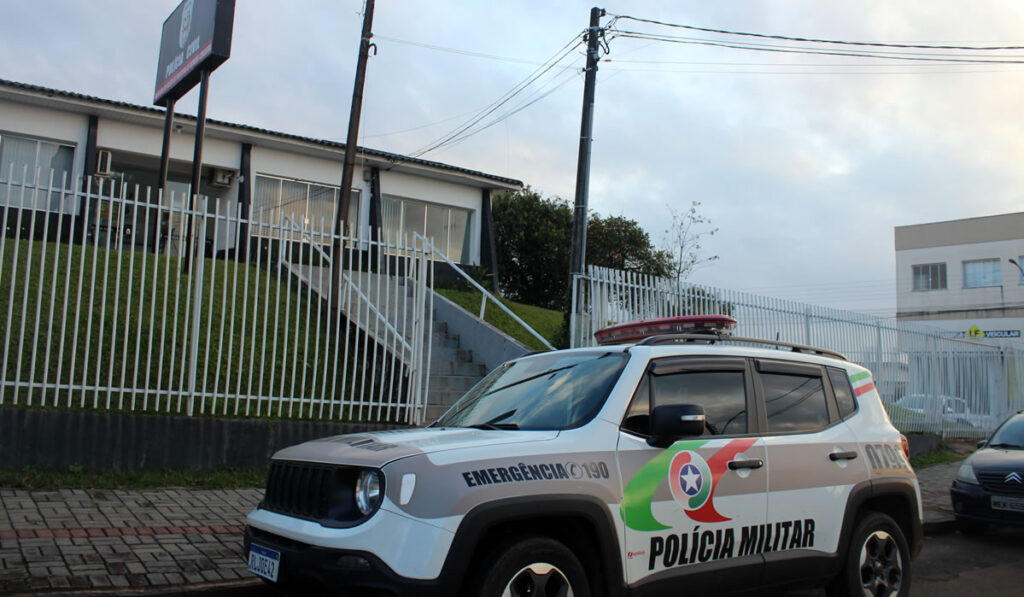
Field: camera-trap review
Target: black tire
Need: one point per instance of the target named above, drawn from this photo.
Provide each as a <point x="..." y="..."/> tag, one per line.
<point x="534" y="566"/>
<point x="969" y="527"/>
<point x="877" y="560"/>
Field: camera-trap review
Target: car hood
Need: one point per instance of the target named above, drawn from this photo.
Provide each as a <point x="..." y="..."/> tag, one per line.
<point x="998" y="459"/>
<point x="381" y="447"/>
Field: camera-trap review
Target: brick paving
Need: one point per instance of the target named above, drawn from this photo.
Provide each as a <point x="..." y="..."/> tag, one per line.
<point x="162" y="539"/>
<point x="112" y="539"/>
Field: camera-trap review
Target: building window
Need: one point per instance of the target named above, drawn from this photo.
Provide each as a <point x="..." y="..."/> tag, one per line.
<point x="308" y="205"/>
<point x="931" y="276"/>
<point x="981" y="273"/>
<point x="448" y="227"/>
<point x="31" y="161"/>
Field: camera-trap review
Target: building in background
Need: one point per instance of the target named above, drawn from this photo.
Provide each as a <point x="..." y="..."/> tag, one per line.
<point x="963" y="276"/>
<point x="261" y="175"/>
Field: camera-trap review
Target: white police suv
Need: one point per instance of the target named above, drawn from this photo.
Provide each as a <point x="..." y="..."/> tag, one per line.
<point x="671" y="459"/>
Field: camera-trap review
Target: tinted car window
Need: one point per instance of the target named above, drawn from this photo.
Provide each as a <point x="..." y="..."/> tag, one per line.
<point x="843" y="391"/>
<point x="795" y="403"/>
<point x="722" y="394"/>
<point x="1010" y="434"/>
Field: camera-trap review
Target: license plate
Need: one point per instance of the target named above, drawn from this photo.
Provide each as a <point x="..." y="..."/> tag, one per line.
<point x="264" y="562"/>
<point x="1002" y="502"/>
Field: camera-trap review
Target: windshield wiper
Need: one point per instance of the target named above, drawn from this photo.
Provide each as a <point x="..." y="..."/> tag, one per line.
<point x="1005" y="445"/>
<point x="494" y="424"/>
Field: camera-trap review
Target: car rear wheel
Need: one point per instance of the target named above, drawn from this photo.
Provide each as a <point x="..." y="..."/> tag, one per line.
<point x="534" y="567"/>
<point x="877" y="560"/>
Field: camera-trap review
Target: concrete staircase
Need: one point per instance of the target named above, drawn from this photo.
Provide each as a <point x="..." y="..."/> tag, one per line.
<point x="452" y="370"/>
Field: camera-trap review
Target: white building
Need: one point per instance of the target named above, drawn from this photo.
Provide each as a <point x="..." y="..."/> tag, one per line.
<point x="963" y="276"/>
<point x="260" y="174"/>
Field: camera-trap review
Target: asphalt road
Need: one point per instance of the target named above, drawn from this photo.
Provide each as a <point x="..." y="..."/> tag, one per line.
<point x="949" y="564"/>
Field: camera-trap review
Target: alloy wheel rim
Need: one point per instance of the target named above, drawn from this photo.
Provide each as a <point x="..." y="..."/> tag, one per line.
<point x="881" y="566"/>
<point x="538" y="580"/>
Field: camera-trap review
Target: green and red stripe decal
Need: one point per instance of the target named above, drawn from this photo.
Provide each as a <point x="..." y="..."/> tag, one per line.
<point x="862" y="383"/>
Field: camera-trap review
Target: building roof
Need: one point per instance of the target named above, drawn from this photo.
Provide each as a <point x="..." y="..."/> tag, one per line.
<point x="967" y="231"/>
<point x="393" y="158"/>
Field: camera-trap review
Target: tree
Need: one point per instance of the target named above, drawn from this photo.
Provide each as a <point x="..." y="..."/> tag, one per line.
<point x="533" y="235"/>
<point x="532" y="240"/>
<point x="683" y="239"/>
<point x="620" y="243"/>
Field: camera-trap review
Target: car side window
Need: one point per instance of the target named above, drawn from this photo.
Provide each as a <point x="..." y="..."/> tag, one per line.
<point x="794" y="403"/>
<point x="723" y="395"/>
<point x="843" y="390"/>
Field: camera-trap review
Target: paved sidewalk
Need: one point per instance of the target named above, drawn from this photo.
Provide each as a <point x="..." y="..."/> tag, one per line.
<point x="152" y="540"/>
<point x="160" y="541"/>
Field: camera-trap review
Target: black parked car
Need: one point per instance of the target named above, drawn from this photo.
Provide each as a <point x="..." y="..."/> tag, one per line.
<point x="989" y="487"/>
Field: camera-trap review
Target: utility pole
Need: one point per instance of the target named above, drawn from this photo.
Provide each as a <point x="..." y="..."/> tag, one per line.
<point x="579" y="221"/>
<point x="578" y="251"/>
<point x="350" y="155"/>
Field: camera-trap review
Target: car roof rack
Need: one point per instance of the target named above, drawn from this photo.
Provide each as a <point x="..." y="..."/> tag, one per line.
<point x="713" y="338"/>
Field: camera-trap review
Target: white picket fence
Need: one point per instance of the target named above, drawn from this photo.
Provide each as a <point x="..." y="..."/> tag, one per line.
<point x="928" y="382"/>
<point x="99" y="312"/>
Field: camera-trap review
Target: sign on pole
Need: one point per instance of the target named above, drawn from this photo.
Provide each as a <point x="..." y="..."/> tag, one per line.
<point x="196" y="37"/>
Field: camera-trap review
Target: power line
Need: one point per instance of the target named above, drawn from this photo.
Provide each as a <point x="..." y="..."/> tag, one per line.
<point x="457" y="51"/>
<point x="464" y="130"/>
<point x="814" y="40"/>
<point x="791" y="50"/>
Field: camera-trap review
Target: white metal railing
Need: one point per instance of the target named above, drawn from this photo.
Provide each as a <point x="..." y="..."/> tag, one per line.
<point x="485" y="296"/>
<point x="98" y="312"/>
<point x="927" y="381"/>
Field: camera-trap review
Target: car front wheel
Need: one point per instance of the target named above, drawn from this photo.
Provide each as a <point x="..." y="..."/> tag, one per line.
<point x="534" y="567"/>
<point x="877" y="560"/>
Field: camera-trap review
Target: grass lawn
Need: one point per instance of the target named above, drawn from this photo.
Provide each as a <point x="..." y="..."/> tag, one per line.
<point x="546" y="322"/>
<point x="109" y="319"/>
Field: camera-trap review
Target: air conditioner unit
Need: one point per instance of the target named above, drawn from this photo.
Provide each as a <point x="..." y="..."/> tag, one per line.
<point x="221" y="178"/>
<point x="103" y="162"/>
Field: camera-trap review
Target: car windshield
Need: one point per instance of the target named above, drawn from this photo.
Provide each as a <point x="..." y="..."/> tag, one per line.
<point x="1010" y="434"/>
<point x="557" y="390"/>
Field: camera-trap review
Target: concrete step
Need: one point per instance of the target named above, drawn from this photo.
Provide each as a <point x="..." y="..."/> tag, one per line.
<point x="449" y="354"/>
<point x="451" y="383"/>
<point x="475" y="370"/>
<point x="444" y="340"/>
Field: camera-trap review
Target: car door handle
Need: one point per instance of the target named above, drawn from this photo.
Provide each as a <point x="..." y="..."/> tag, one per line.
<point x="735" y="465"/>
<point x="834" y="456"/>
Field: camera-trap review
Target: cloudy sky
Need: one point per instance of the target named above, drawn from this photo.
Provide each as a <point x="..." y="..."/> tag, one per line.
<point x="804" y="163"/>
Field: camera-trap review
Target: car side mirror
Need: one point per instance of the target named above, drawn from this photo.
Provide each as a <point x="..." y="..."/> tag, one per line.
<point x="983" y="443"/>
<point x="672" y="422"/>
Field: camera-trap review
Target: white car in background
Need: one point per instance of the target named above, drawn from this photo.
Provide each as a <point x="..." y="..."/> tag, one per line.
<point x="950" y="408"/>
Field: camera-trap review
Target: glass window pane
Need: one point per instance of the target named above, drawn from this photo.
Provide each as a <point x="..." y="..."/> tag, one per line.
<point x="437" y="227"/>
<point x="414" y="218"/>
<point x="19" y="154"/>
<point x="722" y="394"/>
<point x="293" y="199"/>
<point x="794" y="402"/>
<point x="390" y="218"/>
<point x="266" y="201"/>
<point x="353" y="211"/>
<point x="458" y="243"/>
<point x="983" y="272"/>
<point x="843" y="391"/>
<point x="320" y="216"/>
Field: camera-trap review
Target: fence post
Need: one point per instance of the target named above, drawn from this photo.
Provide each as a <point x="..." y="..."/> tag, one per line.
<point x="198" y="263"/>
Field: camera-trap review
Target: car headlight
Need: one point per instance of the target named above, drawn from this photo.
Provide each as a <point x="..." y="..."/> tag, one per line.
<point x="966" y="474"/>
<point x="368" y="492"/>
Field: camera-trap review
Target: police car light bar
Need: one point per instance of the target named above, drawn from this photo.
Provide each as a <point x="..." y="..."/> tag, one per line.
<point x="634" y="331"/>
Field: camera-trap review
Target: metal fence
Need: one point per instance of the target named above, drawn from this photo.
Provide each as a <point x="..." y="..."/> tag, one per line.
<point x="927" y="381"/>
<point x="104" y="304"/>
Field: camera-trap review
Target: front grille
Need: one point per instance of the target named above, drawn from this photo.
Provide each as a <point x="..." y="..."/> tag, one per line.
<point x="996" y="483"/>
<point x="312" y="491"/>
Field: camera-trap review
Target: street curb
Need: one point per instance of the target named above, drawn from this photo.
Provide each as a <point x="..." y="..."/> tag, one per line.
<point x="940" y="527"/>
<point x="234" y="588"/>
